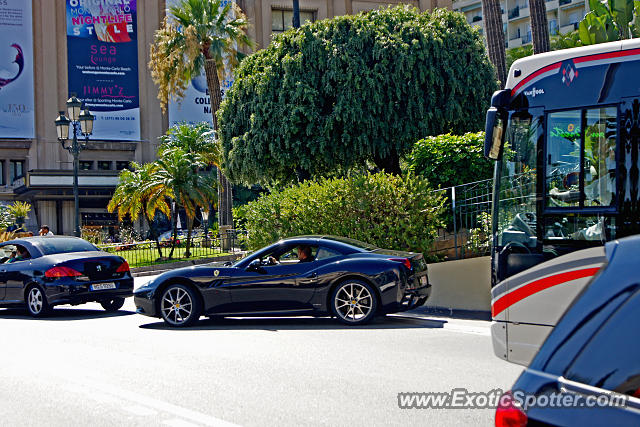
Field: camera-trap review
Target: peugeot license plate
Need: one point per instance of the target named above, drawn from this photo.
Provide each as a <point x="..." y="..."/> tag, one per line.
<point x="103" y="286"/>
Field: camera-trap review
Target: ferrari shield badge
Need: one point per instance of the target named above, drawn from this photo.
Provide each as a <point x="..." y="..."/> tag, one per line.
<point x="216" y="273"/>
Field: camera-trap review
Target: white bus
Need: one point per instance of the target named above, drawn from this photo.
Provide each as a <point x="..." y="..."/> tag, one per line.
<point x="565" y="135"/>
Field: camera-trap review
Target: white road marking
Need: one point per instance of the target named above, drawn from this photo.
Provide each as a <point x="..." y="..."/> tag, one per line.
<point x="142" y="411"/>
<point x="178" y="423"/>
<point x="146" y="404"/>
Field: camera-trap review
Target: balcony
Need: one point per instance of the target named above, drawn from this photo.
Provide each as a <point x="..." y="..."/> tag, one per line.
<point x="520" y="11"/>
<point x="515" y="42"/>
<point x="569" y="27"/>
<point x="571" y="3"/>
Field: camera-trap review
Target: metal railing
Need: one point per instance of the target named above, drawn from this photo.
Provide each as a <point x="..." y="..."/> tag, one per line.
<point x="148" y="252"/>
<point x="468" y="221"/>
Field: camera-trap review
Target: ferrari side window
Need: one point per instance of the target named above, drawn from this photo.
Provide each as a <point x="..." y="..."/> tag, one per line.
<point x="299" y="253"/>
<point x="325" y="253"/>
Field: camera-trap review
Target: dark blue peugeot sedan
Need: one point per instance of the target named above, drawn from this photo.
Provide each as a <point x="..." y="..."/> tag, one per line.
<point x="41" y="272"/>
<point x="587" y="372"/>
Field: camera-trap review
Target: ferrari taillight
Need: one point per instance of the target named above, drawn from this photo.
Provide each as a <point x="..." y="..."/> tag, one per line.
<point x="61" y="271"/>
<point x="124" y="267"/>
<point x="404" y="261"/>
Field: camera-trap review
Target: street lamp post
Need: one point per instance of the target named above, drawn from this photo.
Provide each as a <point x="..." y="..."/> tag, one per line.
<point x="80" y="120"/>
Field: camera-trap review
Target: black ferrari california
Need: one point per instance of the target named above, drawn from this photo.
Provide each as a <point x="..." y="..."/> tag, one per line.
<point x="41" y="272"/>
<point x="299" y="276"/>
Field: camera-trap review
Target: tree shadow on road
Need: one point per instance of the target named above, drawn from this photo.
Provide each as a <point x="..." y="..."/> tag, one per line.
<point x="300" y="323"/>
<point x="58" y="314"/>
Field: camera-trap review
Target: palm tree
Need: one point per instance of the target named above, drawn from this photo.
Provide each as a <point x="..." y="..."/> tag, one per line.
<point x="138" y="192"/>
<point x="492" y="13"/>
<point x="178" y="172"/>
<point x="539" y="26"/>
<point x="199" y="139"/>
<point x="203" y="35"/>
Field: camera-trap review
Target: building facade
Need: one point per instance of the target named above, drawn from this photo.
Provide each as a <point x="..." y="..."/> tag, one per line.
<point x="563" y="16"/>
<point x="73" y="46"/>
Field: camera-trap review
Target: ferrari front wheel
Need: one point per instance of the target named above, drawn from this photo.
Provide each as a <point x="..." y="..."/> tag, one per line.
<point x="179" y="306"/>
<point x="354" y="302"/>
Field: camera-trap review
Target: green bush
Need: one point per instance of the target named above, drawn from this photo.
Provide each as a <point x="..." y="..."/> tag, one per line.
<point x="384" y="210"/>
<point x="447" y="160"/>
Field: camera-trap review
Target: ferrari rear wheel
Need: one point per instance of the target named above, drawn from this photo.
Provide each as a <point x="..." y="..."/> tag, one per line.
<point x="179" y="306"/>
<point x="354" y="302"/>
<point x="37" y="304"/>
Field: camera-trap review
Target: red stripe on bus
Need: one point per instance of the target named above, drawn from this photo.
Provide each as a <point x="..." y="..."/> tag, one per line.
<point x="534" y="75"/>
<point x="607" y="55"/>
<point x="596" y="57"/>
<point x="536" y="286"/>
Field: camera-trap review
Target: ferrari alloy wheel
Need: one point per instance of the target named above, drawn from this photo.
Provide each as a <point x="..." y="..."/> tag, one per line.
<point x="37" y="304"/>
<point x="354" y="302"/>
<point x="179" y="306"/>
<point x="113" y="304"/>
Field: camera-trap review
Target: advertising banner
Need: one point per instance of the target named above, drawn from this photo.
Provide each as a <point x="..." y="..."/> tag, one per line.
<point x="195" y="107"/>
<point x="102" y="50"/>
<point x="16" y="70"/>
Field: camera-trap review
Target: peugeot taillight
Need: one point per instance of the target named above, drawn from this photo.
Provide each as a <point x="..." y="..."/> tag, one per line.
<point x="124" y="267"/>
<point x="509" y="413"/>
<point x="61" y="271"/>
<point x="404" y="261"/>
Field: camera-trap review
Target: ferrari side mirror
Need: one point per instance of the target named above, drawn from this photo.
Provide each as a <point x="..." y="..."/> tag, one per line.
<point x="254" y="265"/>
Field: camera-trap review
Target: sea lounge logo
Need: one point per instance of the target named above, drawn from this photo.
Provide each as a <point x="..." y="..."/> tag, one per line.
<point x="534" y="92"/>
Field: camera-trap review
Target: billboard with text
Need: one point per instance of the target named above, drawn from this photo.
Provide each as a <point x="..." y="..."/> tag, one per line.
<point x="17" y="117"/>
<point x="102" y="49"/>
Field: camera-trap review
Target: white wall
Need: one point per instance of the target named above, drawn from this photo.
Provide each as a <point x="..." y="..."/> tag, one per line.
<point x="461" y="284"/>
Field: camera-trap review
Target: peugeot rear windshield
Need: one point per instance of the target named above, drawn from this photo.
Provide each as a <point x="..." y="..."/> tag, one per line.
<point x="59" y="246"/>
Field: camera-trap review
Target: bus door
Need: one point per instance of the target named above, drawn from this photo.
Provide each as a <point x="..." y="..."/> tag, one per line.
<point x="517" y="244"/>
<point x="629" y="167"/>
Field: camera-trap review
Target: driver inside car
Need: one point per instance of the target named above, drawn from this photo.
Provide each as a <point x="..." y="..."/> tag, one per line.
<point x="304" y="255"/>
<point x="22" y="254"/>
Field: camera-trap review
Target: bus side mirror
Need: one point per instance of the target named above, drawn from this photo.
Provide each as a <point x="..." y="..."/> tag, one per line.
<point x="494" y="133"/>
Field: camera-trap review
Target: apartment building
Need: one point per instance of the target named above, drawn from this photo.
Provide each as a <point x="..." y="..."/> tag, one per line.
<point x="563" y="16"/>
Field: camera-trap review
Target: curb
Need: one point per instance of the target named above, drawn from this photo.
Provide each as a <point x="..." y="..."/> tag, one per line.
<point x="151" y="270"/>
<point x="453" y="313"/>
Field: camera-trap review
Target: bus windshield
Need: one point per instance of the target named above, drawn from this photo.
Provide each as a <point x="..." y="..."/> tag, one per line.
<point x="516" y="176"/>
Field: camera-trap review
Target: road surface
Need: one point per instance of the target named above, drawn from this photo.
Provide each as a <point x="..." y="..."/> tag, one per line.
<point x="83" y="366"/>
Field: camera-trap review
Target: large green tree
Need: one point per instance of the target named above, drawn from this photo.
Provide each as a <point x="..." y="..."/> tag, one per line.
<point x="202" y="34"/>
<point x="344" y="91"/>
